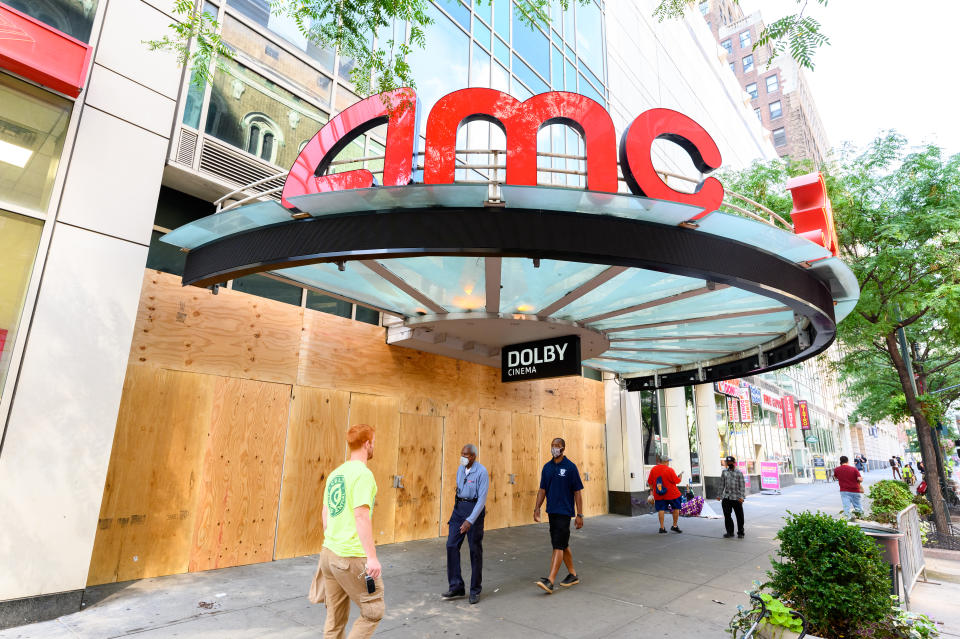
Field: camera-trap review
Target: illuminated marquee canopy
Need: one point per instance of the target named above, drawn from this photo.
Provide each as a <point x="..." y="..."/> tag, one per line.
<point x="661" y="287"/>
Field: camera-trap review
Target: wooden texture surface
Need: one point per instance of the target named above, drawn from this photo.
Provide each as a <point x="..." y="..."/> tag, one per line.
<point x="460" y="427"/>
<point x="229" y="334"/>
<point x="383" y="413"/>
<point x="211" y="456"/>
<point x="240" y="487"/>
<point x="525" y="467"/>
<point x="495" y="448"/>
<point x="316" y="444"/>
<point x="419" y="462"/>
<point x="147" y="514"/>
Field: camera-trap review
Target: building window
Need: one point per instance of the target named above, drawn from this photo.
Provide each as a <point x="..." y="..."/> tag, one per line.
<point x="759" y="116"/>
<point x="745" y="41"/>
<point x="33" y="127"/>
<point x="73" y="17"/>
<point x="728" y="45"/>
<point x="262" y="136"/>
<point x="654" y="441"/>
<point x="704" y="8"/>
<point x="773" y="84"/>
<point x="19" y="239"/>
<point x="748" y="63"/>
<point x="752" y="90"/>
<point x="779" y="137"/>
<point x="733" y="67"/>
<point x="775" y="110"/>
<point x="263" y="286"/>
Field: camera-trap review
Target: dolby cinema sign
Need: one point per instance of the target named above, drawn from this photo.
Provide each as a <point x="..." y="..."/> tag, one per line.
<point x="554" y="357"/>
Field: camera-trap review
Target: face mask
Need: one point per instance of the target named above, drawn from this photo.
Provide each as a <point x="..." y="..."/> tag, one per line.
<point x="731" y="466"/>
<point x="464" y="461"/>
<point x="556" y="451"/>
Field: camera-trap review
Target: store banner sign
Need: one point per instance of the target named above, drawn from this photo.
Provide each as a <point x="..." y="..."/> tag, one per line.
<point x="733" y="409"/>
<point x="772" y="402"/>
<point x="789" y="417"/>
<point x="730" y="387"/>
<point x="804" y="414"/>
<point x="742" y="467"/>
<point x="554" y="357"/>
<point x="746" y="414"/>
<point x="780" y="423"/>
<point x="769" y="475"/>
<point x="756" y="395"/>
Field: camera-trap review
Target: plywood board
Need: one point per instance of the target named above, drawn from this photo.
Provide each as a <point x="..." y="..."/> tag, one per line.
<point x="525" y="438"/>
<point x="316" y="444"/>
<point x="419" y="462"/>
<point x="493" y="394"/>
<point x="230" y="334"/>
<point x="435" y="385"/>
<point x="592" y="408"/>
<point x="340" y="353"/>
<point x="240" y="486"/>
<point x="558" y="397"/>
<point x="495" y="449"/>
<point x="147" y="514"/>
<point x="595" y="467"/>
<point x="460" y="427"/>
<point x="383" y="413"/>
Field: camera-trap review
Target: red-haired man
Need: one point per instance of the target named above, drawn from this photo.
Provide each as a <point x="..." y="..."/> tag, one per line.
<point x="348" y="554"/>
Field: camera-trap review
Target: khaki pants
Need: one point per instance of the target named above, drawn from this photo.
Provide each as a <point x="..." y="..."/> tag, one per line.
<point x="343" y="584"/>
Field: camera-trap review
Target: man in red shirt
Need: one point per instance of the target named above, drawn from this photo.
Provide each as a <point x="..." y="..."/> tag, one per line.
<point x="663" y="486"/>
<point x="851" y="490"/>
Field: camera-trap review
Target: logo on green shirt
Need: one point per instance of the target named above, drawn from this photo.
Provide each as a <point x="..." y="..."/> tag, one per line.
<point x="337" y="496"/>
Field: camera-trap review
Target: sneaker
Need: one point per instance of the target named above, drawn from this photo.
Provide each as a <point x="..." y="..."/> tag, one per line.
<point x="570" y="580"/>
<point x="727" y="535"/>
<point x="663" y="531"/>
<point x="676" y="529"/>
<point x="740" y="535"/>
<point x="474" y="598"/>
<point x="453" y="594"/>
<point x="546" y="584"/>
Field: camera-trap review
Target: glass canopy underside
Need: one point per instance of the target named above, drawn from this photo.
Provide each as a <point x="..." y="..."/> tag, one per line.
<point x="654" y="321"/>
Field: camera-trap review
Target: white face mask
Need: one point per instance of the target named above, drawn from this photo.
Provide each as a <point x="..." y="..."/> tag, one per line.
<point x="464" y="461"/>
<point x="556" y="451"/>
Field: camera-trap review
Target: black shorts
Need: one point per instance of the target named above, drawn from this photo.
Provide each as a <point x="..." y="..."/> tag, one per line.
<point x="559" y="531"/>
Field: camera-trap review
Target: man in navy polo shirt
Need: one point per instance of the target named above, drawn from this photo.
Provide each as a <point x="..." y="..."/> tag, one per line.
<point x="561" y="486"/>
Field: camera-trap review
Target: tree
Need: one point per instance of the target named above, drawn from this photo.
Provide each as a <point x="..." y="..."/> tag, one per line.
<point x="349" y="27"/>
<point x="897" y="212"/>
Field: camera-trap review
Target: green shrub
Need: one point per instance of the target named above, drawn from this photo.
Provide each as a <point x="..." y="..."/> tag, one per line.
<point x="832" y="573"/>
<point x="923" y="506"/>
<point x="888" y="497"/>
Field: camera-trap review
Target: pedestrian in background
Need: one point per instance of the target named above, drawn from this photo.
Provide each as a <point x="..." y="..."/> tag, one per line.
<point x="895" y="468"/>
<point x="663" y="486"/>
<point x="561" y="486"/>
<point x="851" y="487"/>
<point x="466" y="521"/>
<point x="908" y="474"/>
<point x="348" y="560"/>
<point x="733" y="490"/>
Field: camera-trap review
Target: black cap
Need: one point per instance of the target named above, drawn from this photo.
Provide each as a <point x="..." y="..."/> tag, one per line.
<point x="731" y="458"/>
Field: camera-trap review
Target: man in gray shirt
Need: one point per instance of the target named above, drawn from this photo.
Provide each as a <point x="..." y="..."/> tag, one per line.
<point x="467" y="521"/>
<point x="732" y="493"/>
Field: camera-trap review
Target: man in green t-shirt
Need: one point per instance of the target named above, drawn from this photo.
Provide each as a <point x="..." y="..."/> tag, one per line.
<point x="348" y="553"/>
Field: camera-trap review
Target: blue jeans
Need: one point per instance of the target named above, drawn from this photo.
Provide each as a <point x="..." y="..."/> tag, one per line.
<point x="851" y="501"/>
<point x="474" y="538"/>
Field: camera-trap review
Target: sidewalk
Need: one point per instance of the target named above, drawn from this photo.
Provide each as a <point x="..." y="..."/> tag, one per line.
<point x="635" y="583"/>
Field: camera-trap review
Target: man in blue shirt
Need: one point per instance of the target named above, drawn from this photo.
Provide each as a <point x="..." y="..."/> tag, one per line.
<point x="467" y="521"/>
<point x="561" y="486"/>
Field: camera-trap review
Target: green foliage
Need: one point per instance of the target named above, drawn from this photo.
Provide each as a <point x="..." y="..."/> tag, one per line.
<point x="923" y="506"/>
<point x="913" y="625"/>
<point x="346" y="27"/>
<point x="777" y="614"/>
<point x="831" y="572"/>
<point x="887" y="498"/>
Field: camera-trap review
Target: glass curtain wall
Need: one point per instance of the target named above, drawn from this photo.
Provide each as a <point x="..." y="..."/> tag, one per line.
<point x="693" y="433"/>
<point x="654" y="440"/>
<point x="73" y="17"/>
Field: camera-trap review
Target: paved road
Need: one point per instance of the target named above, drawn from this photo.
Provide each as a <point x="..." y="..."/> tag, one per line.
<point x="635" y="583"/>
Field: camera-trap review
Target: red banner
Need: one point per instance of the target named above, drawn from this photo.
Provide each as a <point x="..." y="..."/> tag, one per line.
<point x="728" y="387"/>
<point x="733" y="409"/>
<point x="3" y="339"/>
<point x="804" y="414"/>
<point x="789" y="417"/>
<point x="746" y="415"/>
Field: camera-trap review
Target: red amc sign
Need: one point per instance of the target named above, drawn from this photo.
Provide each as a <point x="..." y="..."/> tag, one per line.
<point x="521" y="121"/>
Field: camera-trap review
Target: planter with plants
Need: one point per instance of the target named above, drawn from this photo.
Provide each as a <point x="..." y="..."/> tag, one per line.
<point x="833" y="574"/>
<point x="889" y="496"/>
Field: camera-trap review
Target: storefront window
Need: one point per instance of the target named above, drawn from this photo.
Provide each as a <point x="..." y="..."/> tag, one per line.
<point x="255" y="115"/>
<point x="73" y="17"/>
<point x="33" y="126"/>
<point x="723" y="426"/>
<point x="327" y="304"/>
<point x="693" y="436"/>
<point x="19" y="238"/>
<point x="654" y="443"/>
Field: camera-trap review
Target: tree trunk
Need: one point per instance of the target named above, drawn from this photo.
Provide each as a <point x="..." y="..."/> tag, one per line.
<point x="924" y="436"/>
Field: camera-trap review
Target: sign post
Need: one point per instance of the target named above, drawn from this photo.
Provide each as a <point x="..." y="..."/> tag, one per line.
<point x="769" y="475"/>
<point x="554" y="357"/>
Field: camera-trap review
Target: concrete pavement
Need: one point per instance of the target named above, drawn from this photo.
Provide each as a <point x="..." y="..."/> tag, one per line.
<point x="635" y="583"/>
